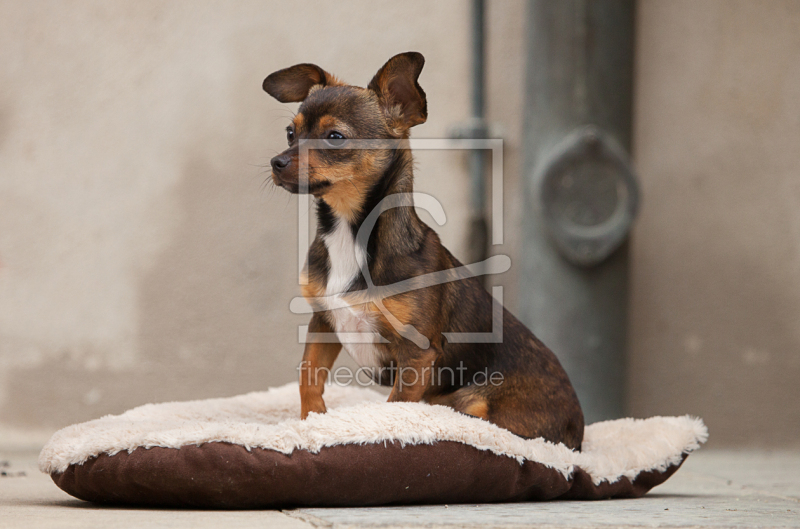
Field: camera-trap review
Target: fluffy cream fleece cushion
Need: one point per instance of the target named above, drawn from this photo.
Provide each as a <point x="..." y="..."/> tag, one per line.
<point x="270" y="420"/>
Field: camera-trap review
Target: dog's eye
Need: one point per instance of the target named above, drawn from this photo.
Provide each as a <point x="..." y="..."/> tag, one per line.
<point x="335" y="139"/>
<point x="289" y="136"/>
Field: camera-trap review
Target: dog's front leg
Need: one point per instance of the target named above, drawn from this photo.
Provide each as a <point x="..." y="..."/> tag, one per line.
<point x="415" y="374"/>
<point x="318" y="358"/>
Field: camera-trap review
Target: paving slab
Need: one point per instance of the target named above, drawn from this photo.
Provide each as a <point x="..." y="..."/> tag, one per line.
<point x="713" y="489"/>
<point x="32" y="501"/>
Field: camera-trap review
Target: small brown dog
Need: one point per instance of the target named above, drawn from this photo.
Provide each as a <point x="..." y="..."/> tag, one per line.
<point x="518" y="383"/>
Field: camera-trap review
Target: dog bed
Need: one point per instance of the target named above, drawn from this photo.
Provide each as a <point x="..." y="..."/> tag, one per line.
<point x="252" y="451"/>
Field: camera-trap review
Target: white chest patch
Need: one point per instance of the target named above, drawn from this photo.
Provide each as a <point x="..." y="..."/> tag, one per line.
<point x="353" y="325"/>
<point x="346" y="258"/>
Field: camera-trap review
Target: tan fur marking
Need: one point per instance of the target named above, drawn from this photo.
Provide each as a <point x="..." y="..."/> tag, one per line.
<point x="316" y="173"/>
<point x="312" y="290"/>
<point x="401" y="307"/>
<point x="477" y="408"/>
<point x="346" y="198"/>
<point x="327" y="122"/>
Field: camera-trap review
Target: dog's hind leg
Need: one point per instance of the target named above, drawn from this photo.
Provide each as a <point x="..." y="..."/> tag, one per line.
<point x="525" y="417"/>
<point x="467" y="400"/>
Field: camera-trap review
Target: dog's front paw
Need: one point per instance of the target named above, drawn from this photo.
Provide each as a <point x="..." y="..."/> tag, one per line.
<point x="312" y="406"/>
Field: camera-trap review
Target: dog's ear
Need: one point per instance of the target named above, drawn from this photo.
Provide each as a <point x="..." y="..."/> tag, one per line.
<point x="397" y="87"/>
<point x="292" y="84"/>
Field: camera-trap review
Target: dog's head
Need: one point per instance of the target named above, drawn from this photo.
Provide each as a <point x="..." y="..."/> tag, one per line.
<point x="335" y="113"/>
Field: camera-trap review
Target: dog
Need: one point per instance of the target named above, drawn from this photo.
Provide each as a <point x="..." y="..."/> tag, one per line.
<point x="517" y="384"/>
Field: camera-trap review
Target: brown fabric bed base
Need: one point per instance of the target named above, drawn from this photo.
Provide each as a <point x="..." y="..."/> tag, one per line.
<point x="228" y="476"/>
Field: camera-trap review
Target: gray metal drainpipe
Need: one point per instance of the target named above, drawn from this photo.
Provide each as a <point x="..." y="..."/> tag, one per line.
<point x="476" y="128"/>
<point x="478" y="229"/>
<point x="580" y="193"/>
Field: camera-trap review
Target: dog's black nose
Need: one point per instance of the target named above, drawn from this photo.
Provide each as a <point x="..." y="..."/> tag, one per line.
<point x="280" y="162"/>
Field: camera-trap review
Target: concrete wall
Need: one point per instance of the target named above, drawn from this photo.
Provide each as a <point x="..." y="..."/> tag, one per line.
<point x="715" y="327"/>
<point x="141" y="258"/>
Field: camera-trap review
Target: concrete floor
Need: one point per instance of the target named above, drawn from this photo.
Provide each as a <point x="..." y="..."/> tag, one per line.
<point x="713" y="489"/>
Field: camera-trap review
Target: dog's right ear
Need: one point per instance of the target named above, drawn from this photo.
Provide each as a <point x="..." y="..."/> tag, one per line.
<point x="293" y="84"/>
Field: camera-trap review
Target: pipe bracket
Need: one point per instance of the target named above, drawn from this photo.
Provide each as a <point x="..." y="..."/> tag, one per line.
<point x="589" y="195"/>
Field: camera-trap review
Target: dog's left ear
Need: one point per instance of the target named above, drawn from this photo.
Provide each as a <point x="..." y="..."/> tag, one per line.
<point x="397" y="87"/>
<point x="293" y="84"/>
